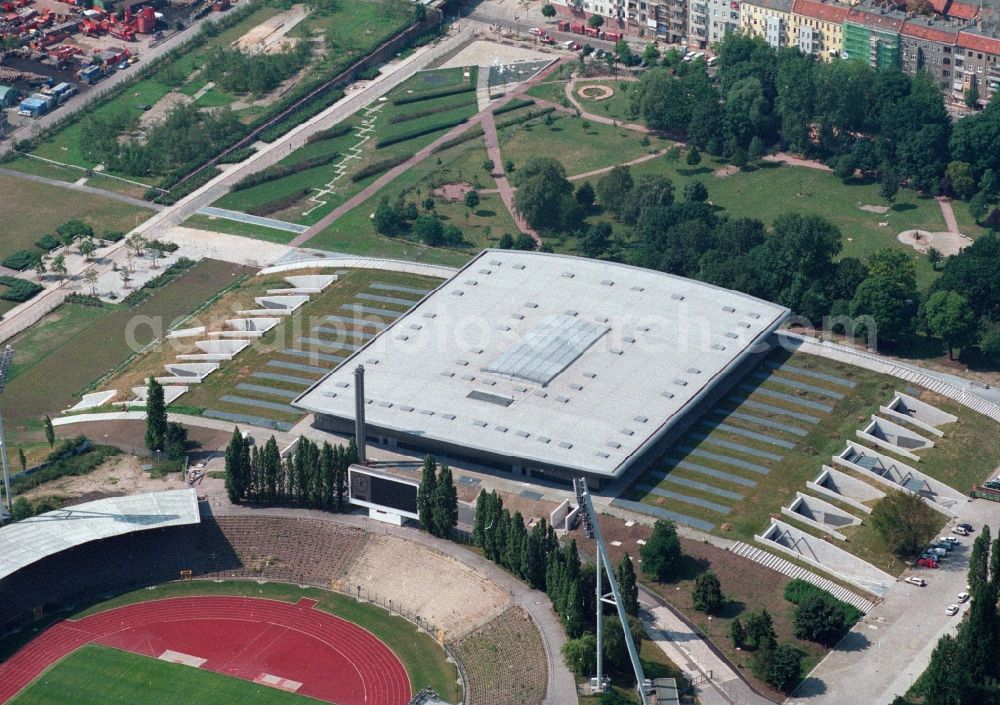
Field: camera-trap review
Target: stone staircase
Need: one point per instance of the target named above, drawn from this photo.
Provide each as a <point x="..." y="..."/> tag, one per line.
<point x="451" y="53"/>
<point x="769" y="560"/>
<point x="948" y="390"/>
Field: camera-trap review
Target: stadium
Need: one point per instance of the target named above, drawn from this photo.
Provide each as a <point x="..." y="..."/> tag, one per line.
<point x="549" y="366"/>
<point x="228" y="603"/>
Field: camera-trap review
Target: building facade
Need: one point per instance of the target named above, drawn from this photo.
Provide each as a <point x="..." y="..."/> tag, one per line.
<point x="671" y="20"/>
<point x="871" y="34"/>
<point x="817" y="28"/>
<point x="769" y="19"/>
<point x="924" y="46"/>
<point x="977" y="64"/>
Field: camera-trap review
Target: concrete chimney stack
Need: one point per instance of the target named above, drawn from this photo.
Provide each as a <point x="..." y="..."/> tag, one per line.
<point x="359" y="412"/>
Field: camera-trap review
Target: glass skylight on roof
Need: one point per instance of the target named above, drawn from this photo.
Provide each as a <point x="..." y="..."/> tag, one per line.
<point x="548" y="349"/>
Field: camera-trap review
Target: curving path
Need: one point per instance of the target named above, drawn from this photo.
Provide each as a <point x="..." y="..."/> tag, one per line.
<point x="303" y="649"/>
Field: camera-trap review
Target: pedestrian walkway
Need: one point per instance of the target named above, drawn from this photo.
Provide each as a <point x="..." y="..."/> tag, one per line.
<point x="263" y="222"/>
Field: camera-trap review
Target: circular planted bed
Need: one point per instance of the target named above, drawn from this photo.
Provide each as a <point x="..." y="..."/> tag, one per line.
<point x="595" y="91"/>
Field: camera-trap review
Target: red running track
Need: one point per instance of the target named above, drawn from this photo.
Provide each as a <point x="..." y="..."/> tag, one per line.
<point x="333" y="659"/>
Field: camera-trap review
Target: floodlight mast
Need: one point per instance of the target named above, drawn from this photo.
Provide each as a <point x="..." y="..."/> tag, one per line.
<point x="5" y="359"/>
<point x="593" y="529"/>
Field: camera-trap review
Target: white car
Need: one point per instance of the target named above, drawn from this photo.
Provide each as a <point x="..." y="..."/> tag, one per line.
<point x="951" y="610"/>
<point x="963" y="597"/>
<point x="534" y="30"/>
<point x="913" y="580"/>
<point x="948" y="539"/>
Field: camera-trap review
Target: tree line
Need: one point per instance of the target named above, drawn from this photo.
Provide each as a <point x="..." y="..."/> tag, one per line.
<point x="312" y="476"/>
<point x="437" y="499"/>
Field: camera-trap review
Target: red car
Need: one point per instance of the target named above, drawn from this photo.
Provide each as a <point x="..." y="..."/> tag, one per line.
<point x="927" y="563"/>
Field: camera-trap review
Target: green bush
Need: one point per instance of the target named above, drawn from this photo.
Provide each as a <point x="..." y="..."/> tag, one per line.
<point x="416" y="114"/>
<point x="280" y="171"/>
<point x="237" y="155"/>
<point x="470" y="134"/>
<point x="21" y="260"/>
<point x="330" y="133"/>
<point x="521" y="119"/>
<point x="279" y="204"/>
<point x="300" y="115"/>
<point x="427" y="95"/>
<point x="513" y="105"/>
<point x="420" y="131"/>
<point x="74" y="457"/>
<point x="181" y="190"/>
<point x="798" y="590"/>
<point x="114" y="235"/>
<point x="18" y="290"/>
<point x="378" y="167"/>
<point x="47" y="242"/>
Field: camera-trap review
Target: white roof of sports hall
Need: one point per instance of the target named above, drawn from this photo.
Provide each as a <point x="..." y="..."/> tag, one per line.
<point x="554" y="359"/>
<point x="30" y="540"/>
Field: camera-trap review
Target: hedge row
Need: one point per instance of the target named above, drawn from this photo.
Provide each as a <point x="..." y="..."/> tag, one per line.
<point x="82" y="464"/>
<point x="18" y="290"/>
<point x="237" y="156"/>
<point x="420" y="132"/>
<point x="798" y="590"/>
<point x="21" y="260"/>
<point x="515" y="104"/>
<point x="417" y="97"/>
<point x="330" y="133"/>
<point x="296" y="117"/>
<point x="279" y="204"/>
<point x="281" y="171"/>
<point x="406" y="117"/>
<point x="378" y="167"/>
<point x="47" y="242"/>
<point x="521" y="119"/>
<point x="180" y="191"/>
<point x="470" y="134"/>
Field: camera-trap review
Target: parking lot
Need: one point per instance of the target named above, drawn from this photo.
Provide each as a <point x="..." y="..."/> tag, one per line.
<point x="888" y="650"/>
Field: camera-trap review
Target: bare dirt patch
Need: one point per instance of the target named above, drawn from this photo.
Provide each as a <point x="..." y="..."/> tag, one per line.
<point x="727" y="170"/>
<point x="453" y="192"/>
<point x="161" y="109"/>
<point x="595" y="92"/>
<point x="268" y="35"/>
<point x="881" y="210"/>
<point x="945" y="243"/>
<point x="121" y="475"/>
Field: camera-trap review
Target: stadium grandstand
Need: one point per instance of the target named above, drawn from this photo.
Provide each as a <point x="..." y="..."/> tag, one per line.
<point x="549" y="365"/>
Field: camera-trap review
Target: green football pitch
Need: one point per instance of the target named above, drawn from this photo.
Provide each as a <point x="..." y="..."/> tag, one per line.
<point x="97" y="675"/>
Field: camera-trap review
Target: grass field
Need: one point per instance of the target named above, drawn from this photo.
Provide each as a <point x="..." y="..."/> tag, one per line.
<point x="235" y="227"/>
<point x="96" y="675"/>
<point x="553" y="89"/>
<point x="425" y="661"/>
<point x="30" y="210"/>
<point x="75" y="345"/>
<point x="616" y="107"/>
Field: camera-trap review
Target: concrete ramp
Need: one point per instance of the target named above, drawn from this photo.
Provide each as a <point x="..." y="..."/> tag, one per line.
<point x="306" y="284"/>
<point x="845" y="488"/>
<point x="92" y="401"/>
<point x="893" y="473"/>
<point x="253" y="327"/>
<point x="917" y="413"/>
<point x="805" y="547"/>
<point x="820" y="515"/>
<point x="139" y="394"/>
<point x="265" y="312"/>
<point x="281" y="303"/>
<point x="186" y="332"/>
<point x="191" y="370"/>
<point x="222" y="347"/>
<point x="895" y="438"/>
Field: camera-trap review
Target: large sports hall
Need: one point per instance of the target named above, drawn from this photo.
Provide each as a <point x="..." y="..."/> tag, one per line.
<point x="549" y="366"/>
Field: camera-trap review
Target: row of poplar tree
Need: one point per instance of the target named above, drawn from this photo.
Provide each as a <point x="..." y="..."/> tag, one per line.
<point x="536" y="557"/>
<point x="437" y="499"/>
<point x="310" y="476"/>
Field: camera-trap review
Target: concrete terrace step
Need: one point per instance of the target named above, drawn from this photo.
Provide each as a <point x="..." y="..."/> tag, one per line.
<point x="769" y="560"/>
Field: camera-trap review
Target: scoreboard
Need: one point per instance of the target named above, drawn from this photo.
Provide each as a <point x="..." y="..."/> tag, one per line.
<point x="383" y="492"/>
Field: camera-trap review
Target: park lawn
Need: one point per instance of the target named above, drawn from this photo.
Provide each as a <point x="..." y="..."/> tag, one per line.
<point x="768" y="192"/>
<point x="235" y="227"/>
<point x="655" y="664"/>
<point x="481" y="226"/>
<point x="617" y="106"/>
<point x="95" y="675"/>
<point x="30" y="210"/>
<point x="355" y="28"/>
<point x="27" y="165"/>
<point x="551" y="89"/>
<point x="580" y="145"/>
<point x="425" y="661"/>
<point x="57" y="364"/>
<point x="966" y="223"/>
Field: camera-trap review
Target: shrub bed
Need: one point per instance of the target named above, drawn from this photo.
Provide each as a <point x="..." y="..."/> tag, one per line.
<point x="470" y="134"/>
<point x="47" y="242"/>
<point x="798" y="590"/>
<point x="18" y="290"/>
<point x="75" y="457"/>
<point x="406" y="117"/>
<point x="521" y="119"/>
<point x="281" y="171"/>
<point x="378" y="167"/>
<point x="278" y="204"/>
<point x="237" y="155"/>
<point x="330" y="133"/>
<point x="417" y="97"/>
<point x="515" y="104"/>
<point x="420" y="131"/>
<point x="21" y="260"/>
<point x="311" y="109"/>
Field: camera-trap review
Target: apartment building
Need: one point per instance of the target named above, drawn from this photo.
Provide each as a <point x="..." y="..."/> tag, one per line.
<point x="929" y="45"/>
<point x="769" y="19"/>
<point x="817" y="27"/>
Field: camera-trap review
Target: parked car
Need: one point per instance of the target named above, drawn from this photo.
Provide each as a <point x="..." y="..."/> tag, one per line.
<point x="963" y="597"/>
<point x="943" y="545"/>
<point x="913" y="580"/>
<point x="966" y="527"/>
<point x="927" y="563"/>
<point x="546" y="39"/>
<point x="960" y="531"/>
<point x="951" y="610"/>
<point x="948" y="539"/>
<point x="934" y="551"/>
<point x="537" y="32"/>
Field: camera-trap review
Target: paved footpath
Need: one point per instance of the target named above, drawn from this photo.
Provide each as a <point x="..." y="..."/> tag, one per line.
<point x="83" y="188"/>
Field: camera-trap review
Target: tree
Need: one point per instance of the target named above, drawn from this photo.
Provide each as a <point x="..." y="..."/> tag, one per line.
<point x="979" y="206"/>
<point x="595" y="21"/>
<point x="661" y="552"/>
<point x="506" y="242"/>
<point x="650" y="54"/>
<point x="73" y="230"/>
<point x="962" y="179"/>
<point x="613" y="189"/>
<point x="237" y="474"/>
<point x="972" y="96"/>
<point x="429" y="204"/>
<point x="387" y="219"/>
<point x="445" y="512"/>
<point x="759" y="630"/>
<point x="707" y="593"/>
<point x="488" y="166"/>
<point x="895" y="265"/>
<point x="125" y="276"/>
<point x="50" y="433"/>
<point x="989" y="340"/>
<point x="889" y="186"/>
<point x="627" y="585"/>
<point x="548" y="11"/>
<point x="59" y="267"/>
<point x="525" y="242"/>
<point x="695" y="191"/>
<point x="91" y="277"/>
<point x="541" y="187"/>
<point x="156" y="416"/>
<point x="934" y="256"/>
<point x="429" y="230"/>
<point x="21" y="509"/>
<point x="22" y="461"/>
<point x="87" y="247"/>
<point x="175" y="441"/>
<point x="887" y="306"/>
<point x="596" y="240"/>
<point x="819" y="619"/>
<point x="756" y="149"/>
<point x="426" y="493"/>
<point x="979" y="561"/>
<point x="737" y="633"/>
<point x="904" y="522"/>
<point x="950" y="318"/>
<point x="471" y="198"/>
<point x="585" y="194"/>
<point x="784" y="668"/>
<point x="580" y="654"/>
<point x="693" y="157"/>
<point x="615" y="650"/>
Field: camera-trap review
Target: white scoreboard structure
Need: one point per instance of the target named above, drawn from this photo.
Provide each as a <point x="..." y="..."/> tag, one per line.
<point x="388" y="498"/>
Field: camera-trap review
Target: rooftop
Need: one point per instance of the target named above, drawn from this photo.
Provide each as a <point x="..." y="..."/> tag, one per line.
<point x="31" y="540"/>
<point x="776" y="5"/>
<point x="876" y="17"/>
<point x="824" y="11"/>
<point x="556" y="360"/>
